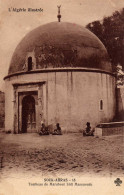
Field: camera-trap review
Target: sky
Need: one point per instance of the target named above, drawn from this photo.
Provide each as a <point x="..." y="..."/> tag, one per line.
<point x="15" y="25"/>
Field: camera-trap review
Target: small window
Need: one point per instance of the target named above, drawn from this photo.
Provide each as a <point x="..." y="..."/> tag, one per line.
<point x="29" y="63"/>
<point x="101" y="105"/>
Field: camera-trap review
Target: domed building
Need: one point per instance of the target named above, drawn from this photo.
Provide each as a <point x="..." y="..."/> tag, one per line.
<point x="59" y="73"/>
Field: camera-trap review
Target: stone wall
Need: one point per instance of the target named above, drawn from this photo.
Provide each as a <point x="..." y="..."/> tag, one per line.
<point x="106" y="129"/>
<point x="2" y="109"/>
<point x="120" y="103"/>
<point x="70" y="98"/>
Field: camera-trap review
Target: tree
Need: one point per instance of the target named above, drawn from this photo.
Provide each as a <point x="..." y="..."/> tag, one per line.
<point x="111" y="32"/>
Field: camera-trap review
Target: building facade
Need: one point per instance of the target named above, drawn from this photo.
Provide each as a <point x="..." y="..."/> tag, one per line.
<point x="59" y="73"/>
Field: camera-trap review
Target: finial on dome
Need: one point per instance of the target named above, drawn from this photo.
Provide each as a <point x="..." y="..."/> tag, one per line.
<point x="59" y="15"/>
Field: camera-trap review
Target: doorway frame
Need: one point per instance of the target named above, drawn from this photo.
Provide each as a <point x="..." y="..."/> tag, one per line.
<point x="41" y="89"/>
<point x="22" y="95"/>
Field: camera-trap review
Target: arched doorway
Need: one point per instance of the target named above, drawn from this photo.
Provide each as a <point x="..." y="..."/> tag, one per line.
<point x="28" y="113"/>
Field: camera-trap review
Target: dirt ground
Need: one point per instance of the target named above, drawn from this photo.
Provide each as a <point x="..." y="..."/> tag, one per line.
<point x="70" y="153"/>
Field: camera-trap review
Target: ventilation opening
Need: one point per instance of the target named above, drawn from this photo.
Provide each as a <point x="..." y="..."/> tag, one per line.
<point x="29" y="63"/>
<point x="101" y="105"/>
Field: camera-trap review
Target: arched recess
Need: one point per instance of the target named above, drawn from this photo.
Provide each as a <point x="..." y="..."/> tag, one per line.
<point x="101" y="104"/>
<point x="29" y="63"/>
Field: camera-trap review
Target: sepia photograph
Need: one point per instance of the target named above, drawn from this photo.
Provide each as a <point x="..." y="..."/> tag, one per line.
<point x="61" y="97"/>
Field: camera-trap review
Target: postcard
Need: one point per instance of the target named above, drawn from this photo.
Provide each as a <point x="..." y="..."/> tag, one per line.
<point x="61" y="97"/>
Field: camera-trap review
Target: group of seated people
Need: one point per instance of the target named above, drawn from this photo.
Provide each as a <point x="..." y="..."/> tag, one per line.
<point x="45" y="131"/>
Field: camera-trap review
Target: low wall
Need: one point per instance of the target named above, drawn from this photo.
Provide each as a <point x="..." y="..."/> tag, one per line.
<point x="120" y="103"/>
<point x="113" y="128"/>
<point x="2" y="109"/>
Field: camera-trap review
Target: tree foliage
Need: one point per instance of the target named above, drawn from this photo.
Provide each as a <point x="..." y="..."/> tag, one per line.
<point x="111" y="32"/>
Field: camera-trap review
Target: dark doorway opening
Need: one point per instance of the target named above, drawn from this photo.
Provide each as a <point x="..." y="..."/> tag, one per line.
<point x="29" y="63"/>
<point x="28" y="113"/>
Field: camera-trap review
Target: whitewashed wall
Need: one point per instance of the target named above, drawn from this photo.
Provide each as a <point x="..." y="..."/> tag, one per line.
<point x="72" y="98"/>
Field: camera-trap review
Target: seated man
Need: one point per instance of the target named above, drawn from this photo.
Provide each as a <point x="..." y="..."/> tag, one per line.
<point x="57" y="131"/>
<point x="44" y="130"/>
<point x="88" y="131"/>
